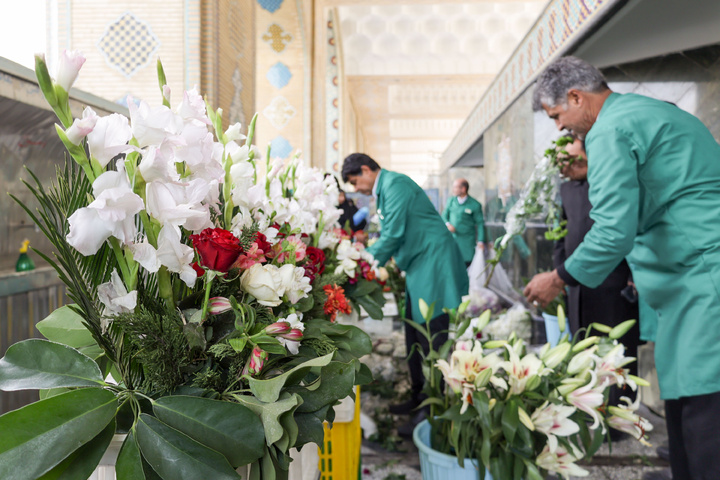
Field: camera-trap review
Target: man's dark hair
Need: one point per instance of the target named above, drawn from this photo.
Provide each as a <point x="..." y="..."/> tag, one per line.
<point x="353" y="165"/>
<point x="465" y="185"/>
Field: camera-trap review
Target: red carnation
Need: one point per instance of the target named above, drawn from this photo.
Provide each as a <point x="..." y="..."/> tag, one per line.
<point x="218" y="248"/>
<point x="336" y="301"/>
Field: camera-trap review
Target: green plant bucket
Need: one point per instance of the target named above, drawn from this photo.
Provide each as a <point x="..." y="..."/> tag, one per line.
<point x="439" y="466"/>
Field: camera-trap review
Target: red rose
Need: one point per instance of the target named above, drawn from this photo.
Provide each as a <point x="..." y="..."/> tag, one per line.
<point x="262" y="242"/>
<point x="218" y="248"/>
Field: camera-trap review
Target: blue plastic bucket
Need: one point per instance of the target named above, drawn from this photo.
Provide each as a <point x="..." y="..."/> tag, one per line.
<point x="439" y="466"/>
<point x="552" y="329"/>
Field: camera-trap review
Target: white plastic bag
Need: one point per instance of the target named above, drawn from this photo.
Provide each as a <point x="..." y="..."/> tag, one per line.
<point x="476" y="270"/>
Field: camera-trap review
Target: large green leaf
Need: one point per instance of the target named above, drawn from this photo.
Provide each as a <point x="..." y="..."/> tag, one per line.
<point x="270" y="413"/>
<point x="129" y="462"/>
<point x="335" y="382"/>
<point x="230" y="428"/>
<point x="65" y="326"/>
<point x="268" y="391"/>
<point x="310" y="426"/>
<point x="36" y="363"/>
<point x="80" y="464"/>
<point x="174" y="455"/>
<point x="49" y="430"/>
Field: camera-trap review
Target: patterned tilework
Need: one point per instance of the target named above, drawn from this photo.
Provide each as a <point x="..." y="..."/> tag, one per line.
<point x="332" y="95"/>
<point x="280" y="147"/>
<point x="279" y="112"/>
<point x="561" y="23"/>
<point x="277" y="38"/>
<point x="279" y="75"/>
<point x="270" y="5"/>
<point x="128" y="44"/>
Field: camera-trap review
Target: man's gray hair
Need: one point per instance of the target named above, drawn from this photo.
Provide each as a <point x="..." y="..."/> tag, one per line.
<point x="563" y="75"/>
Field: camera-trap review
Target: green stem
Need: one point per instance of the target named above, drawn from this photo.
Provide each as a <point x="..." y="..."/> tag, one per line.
<point x="206" y="301"/>
<point x="165" y="286"/>
<point x="122" y="262"/>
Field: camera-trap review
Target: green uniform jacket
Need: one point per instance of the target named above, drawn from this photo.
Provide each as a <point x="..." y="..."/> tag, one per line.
<point x="468" y="222"/>
<point x="413" y="232"/>
<point x="654" y="174"/>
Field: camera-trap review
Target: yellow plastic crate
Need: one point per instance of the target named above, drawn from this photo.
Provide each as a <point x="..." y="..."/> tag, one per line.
<point x="340" y="452"/>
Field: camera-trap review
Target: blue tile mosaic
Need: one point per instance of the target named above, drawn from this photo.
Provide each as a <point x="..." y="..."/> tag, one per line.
<point x="128" y="44"/>
<point x="280" y="147"/>
<point x="279" y="75"/>
<point x="270" y="5"/>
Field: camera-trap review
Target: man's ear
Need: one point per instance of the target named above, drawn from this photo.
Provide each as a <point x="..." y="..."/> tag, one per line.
<point x="575" y="97"/>
<point x="364" y="169"/>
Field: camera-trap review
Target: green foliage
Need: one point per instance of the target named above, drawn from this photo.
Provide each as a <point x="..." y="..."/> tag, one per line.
<point x="157" y="342"/>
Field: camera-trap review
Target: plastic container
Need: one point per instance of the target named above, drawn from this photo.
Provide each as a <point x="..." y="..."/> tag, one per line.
<point x="340" y="451"/>
<point x="435" y="465"/>
<point x="552" y="329"/>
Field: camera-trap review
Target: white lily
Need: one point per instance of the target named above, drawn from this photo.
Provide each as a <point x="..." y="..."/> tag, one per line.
<point x="624" y="418"/>
<point x="588" y="398"/>
<point x="561" y="462"/>
<point x="553" y="420"/>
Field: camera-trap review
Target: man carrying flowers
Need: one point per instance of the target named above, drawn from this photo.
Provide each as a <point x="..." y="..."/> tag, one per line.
<point x="414" y="234"/>
<point x="654" y="175"/>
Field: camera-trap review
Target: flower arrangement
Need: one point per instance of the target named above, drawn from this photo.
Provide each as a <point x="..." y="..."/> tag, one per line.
<point x="204" y="292"/>
<point x="521" y="414"/>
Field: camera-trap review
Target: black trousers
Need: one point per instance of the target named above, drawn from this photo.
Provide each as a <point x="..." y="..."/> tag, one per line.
<point x="439" y="324"/>
<point x="693" y="425"/>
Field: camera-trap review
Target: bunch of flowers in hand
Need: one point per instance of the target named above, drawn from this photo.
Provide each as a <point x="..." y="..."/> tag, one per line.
<point x="520" y="414"/>
<point x="193" y="328"/>
<point x="538" y="198"/>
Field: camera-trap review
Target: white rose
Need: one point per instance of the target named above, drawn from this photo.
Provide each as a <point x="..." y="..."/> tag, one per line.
<point x="264" y="282"/>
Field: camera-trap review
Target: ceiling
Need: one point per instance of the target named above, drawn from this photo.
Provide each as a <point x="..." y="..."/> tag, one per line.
<point x="414" y="72"/>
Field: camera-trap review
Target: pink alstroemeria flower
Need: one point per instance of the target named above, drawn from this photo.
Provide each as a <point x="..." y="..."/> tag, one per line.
<point x="70" y="64"/>
<point x="218" y="305"/>
<point x="294" y="334"/>
<point x="278" y="328"/>
<point x="256" y="361"/>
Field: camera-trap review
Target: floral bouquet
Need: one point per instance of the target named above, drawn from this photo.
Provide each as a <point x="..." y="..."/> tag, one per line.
<point x="519" y="414"/>
<point x="205" y="286"/>
<point x="538" y="198"/>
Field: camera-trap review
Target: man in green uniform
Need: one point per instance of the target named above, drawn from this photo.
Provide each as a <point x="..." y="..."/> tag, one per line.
<point x="654" y="175"/>
<point x="463" y="216"/>
<point x="413" y="232"/>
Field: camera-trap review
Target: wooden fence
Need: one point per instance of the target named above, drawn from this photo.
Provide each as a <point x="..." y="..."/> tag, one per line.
<point x="25" y="299"/>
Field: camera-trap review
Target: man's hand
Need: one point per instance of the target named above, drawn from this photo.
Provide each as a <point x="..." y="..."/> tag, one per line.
<point x="543" y="288"/>
<point x="361" y="236"/>
<point x="481" y="246"/>
<point x="450" y="227"/>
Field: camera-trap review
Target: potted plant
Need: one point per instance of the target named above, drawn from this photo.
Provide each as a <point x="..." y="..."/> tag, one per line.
<point x="511" y="413"/>
<point x="204" y="299"/>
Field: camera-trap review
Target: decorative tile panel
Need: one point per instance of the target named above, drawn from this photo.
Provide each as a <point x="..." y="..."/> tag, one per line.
<point x="279" y="75"/>
<point x="128" y="44"/>
<point x="560" y="25"/>
<point x="270" y="5"/>
<point x="277" y="38"/>
<point x="279" y="112"/>
<point x="280" y="147"/>
<point x="332" y="95"/>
